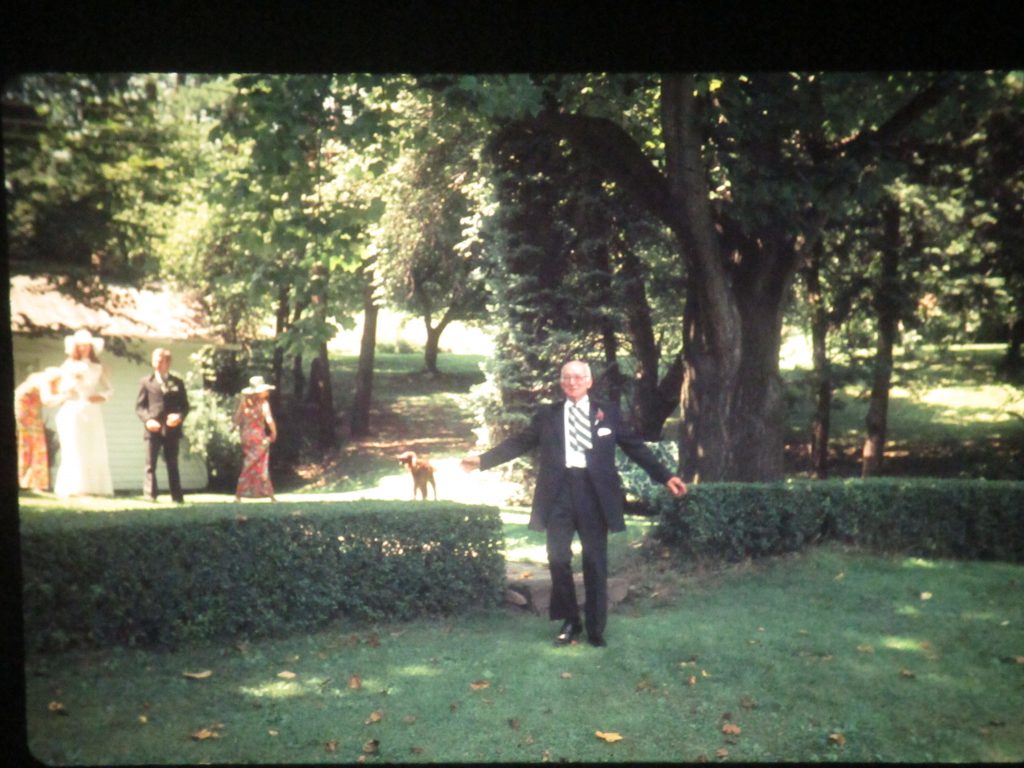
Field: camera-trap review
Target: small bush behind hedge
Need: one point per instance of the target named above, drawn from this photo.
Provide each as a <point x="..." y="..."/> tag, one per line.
<point x="151" y="578"/>
<point x="934" y="518"/>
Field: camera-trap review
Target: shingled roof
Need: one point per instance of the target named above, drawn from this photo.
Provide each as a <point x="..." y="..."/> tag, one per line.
<point x="37" y="305"/>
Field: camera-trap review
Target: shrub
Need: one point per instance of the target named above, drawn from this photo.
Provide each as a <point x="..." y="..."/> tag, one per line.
<point x="212" y="436"/>
<point x="160" y="577"/>
<point x="934" y="518"/>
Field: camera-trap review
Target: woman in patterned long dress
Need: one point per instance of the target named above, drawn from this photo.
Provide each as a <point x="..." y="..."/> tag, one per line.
<point x="38" y="391"/>
<point x="254" y="421"/>
<point x="84" y="467"/>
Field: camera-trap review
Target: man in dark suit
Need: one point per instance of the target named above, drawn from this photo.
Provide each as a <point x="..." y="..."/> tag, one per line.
<point x="578" y="491"/>
<point x="162" y="405"/>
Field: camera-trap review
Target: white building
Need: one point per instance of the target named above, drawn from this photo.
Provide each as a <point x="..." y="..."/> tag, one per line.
<point x="41" y="316"/>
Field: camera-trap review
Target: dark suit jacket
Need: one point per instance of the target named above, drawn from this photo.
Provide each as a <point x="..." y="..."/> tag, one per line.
<point x="153" y="403"/>
<point x="547" y="431"/>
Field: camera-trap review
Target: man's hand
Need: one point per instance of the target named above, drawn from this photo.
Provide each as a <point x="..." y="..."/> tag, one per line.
<point x="470" y="463"/>
<point x="152" y="425"/>
<point x="173" y="420"/>
<point x="676" y="486"/>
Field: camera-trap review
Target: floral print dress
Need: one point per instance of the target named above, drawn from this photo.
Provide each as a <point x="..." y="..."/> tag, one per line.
<point x="33" y="457"/>
<point x="254" y="480"/>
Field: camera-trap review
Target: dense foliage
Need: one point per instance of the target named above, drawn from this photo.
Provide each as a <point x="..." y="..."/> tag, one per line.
<point x="162" y="577"/>
<point x="655" y="224"/>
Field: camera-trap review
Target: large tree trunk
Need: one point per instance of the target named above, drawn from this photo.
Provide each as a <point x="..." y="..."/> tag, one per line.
<point x="886" y="306"/>
<point x="732" y="400"/>
<point x="430" y="350"/>
<point x="1011" y="363"/>
<point x="281" y="327"/>
<point x="821" y="423"/>
<point x="362" y="399"/>
<point x="321" y="399"/>
<point x="654" y="401"/>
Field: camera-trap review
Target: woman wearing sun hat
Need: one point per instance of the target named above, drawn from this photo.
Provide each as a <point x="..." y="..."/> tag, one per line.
<point x="84" y="468"/>
<point x="258" y="430"/>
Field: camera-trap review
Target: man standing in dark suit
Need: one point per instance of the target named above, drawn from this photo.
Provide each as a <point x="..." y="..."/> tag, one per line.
<point x="578" y="491"/>
<point x="162" y="405"/>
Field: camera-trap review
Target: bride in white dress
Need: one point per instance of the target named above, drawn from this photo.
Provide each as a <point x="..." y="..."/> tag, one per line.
<point x="84" y="467"/>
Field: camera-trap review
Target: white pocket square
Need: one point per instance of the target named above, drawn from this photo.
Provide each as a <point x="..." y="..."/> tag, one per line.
<point x="603" y="432"/>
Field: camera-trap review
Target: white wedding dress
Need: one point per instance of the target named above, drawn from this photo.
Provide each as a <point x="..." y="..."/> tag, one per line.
<point x="84" y="467"/>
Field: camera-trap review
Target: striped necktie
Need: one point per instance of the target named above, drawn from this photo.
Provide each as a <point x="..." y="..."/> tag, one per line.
<point x="579" y="429"/>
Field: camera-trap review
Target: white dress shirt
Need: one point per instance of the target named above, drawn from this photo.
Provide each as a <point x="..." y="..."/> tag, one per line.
<point x="573" y="458"/>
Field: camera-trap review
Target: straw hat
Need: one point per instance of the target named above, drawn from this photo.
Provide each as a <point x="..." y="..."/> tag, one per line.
<point x="82" y="337"/>
<point x="257" y="385"/>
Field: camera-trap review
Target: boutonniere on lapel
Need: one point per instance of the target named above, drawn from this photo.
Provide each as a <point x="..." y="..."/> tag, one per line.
<point x="598" y="417"/>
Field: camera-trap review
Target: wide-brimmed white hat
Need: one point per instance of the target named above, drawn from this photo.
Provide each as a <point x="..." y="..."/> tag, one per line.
<point x="257" y="385"/>
<point x="82" y="337"/>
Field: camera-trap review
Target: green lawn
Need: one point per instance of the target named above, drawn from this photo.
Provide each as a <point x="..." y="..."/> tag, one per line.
<point x="830" y="655"/>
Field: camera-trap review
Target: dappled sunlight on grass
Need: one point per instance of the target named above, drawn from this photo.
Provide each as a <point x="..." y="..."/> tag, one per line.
<point x="285" y="689"/>
<point x="418" y="670"/>
<point x="902" y="644"/>
<point x="908" y="610"/>
<point x="918" y="562"/>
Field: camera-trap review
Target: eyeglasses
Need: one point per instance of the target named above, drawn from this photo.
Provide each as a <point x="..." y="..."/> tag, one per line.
<point x="575" y="378"/>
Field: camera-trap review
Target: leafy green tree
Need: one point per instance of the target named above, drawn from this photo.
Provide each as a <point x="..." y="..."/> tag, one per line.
<point x="86" y="169"/>
<point x="428" y="264"/>
<point x="733" y="171"/>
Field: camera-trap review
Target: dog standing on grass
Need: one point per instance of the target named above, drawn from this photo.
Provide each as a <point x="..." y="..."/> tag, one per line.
<point x="422" y="473"/>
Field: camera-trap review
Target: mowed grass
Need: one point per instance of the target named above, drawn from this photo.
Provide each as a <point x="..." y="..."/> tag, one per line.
<point x="829" y="655"/>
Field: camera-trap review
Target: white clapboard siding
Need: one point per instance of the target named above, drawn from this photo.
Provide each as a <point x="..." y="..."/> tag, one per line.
<point x="125" y="446"/>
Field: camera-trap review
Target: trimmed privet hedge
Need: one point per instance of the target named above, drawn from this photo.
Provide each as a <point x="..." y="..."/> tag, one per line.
<point x="968" y="519"/>
<point x="160" y="577"/>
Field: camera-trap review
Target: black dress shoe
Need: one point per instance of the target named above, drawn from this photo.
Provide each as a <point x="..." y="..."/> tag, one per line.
<point x="569" y="632"/>
<point x="597" y="641"/>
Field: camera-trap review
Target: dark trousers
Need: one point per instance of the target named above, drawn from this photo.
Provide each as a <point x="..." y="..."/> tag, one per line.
<point x="577" y="511"/>
<point x="156" y="441"/>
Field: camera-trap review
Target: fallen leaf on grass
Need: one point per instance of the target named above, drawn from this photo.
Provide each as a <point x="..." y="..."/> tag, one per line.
<point x="567" y="675"/>
<point x="272" y="732"/>
<point x="906" y="673"/>
<point x="926" y="595"/>
<point x="479" y="685"/>
<point x="732" y="729"/>
<point x="416" y="750"/>
<point x="372" y="747"/>
<point x="748" y="703"/>
<point x="143" y="719"/>
<point x="692" y="680"/>
<point x="375" y="717"/>
<point x="513" y="723"/>
<point x="331" y="746"/>
<point x="210" y="732"/>
<point x="286" y="675"/>
<point x="865" y="648"/>
<point x="722" y="753"/>
<point x="610" y="737"/>
<point x="57" y="708"/>
<point x="355" y="682"/>
<point x="203" y="675"/>
<point x="837" y="738"/>
<point x="409" y="719"/>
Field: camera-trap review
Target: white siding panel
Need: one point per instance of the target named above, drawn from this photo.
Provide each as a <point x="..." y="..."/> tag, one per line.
<point x="125" y="445"/>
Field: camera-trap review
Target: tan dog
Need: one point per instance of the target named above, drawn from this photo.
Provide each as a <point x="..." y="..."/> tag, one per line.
<point x="422" y="473"/>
